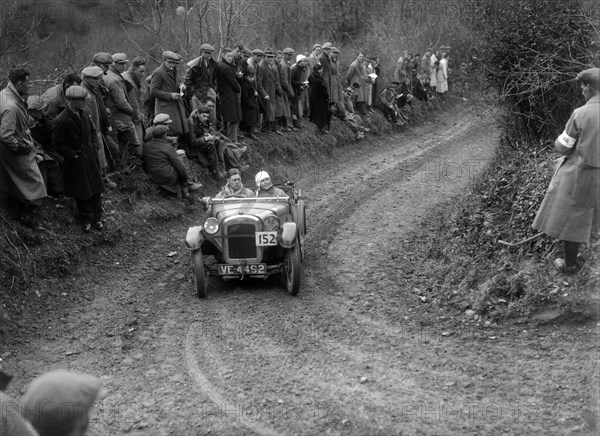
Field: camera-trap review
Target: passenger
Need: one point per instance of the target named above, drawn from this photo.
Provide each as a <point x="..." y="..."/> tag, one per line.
<point x="265" y="186"/>
<point x="234" y="186"/>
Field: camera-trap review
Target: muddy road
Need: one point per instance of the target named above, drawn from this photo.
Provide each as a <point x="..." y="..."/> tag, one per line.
<point x="351" y="354"/>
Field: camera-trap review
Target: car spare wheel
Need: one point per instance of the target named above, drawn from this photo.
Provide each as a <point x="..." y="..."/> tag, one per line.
<point x="292" y="278"/>
<point x="200" y="278"/>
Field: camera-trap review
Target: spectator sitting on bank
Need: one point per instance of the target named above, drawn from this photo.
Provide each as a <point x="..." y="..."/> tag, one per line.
<point x="235" y="149"/>
<point x="201" y="146"/>
<point x="265" y="186"/>
<point x="59" y="402"/>
<point x="160" y="120"/>
<point x="386" y="103"/>
<point x="404" y="99"/>
<point x="419" y="89"/>
<point x="353" y="120"/>
<point x="163" y="165"/>
<point x="234" y="186"/>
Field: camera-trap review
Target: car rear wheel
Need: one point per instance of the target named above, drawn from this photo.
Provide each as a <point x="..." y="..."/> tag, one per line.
<point x="200" y="278"/>
<point x="292" y="278"/>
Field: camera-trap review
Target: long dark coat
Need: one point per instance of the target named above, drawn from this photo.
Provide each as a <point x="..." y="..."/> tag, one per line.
<point x="75" y="134"/>
<point x="319" y="101"/>
<point x="250" y="103"/>
<point x="286" y="88"/>
<point x="229" y="90"/>
<point x="266" y="84"/>
<point x="162" y="85"/>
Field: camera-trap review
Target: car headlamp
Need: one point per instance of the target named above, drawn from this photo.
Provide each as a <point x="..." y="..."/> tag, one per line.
<point x="271" y="223"/>
<point x="211" y="226"/>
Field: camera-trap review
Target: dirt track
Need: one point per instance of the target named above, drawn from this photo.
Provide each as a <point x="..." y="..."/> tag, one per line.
<point x="352" y="353"/>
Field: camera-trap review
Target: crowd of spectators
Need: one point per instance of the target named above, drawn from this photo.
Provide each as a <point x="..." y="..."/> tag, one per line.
<point x="112" y="116"/>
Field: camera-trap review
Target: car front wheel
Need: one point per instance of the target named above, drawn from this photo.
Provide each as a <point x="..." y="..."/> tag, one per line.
<point x="292" y="279"/>
<point x="200" y="278"/>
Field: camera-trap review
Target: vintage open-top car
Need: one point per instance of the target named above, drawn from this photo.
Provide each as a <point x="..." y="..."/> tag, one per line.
<point x="250" y="237"/>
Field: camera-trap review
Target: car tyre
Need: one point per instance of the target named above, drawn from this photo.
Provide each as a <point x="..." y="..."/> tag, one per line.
<point x="200" y="278"/>
<point x="292" y="276"/>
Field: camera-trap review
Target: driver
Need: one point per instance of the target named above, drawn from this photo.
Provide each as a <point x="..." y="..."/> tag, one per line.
<point x="265" y="186"/>
<point x="234" y="186"/>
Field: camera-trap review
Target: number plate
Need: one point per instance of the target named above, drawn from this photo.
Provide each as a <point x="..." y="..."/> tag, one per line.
<point x="255" y="268"/>
<point x="265" y="239"/>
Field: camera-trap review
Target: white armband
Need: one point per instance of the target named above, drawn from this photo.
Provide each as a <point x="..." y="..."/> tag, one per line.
<point x="566" y="140"/>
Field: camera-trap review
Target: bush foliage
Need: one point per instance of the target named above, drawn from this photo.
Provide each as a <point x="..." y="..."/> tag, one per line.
<point x="533" y="50"/>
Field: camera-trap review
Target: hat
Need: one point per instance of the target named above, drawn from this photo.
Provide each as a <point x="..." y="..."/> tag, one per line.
<point x="35" y="103"/>
<point x="289" y="50"/>
<point x="591" y="77"/>
<point x="355" y="85"/>
<point x="76" y="92"/>
<point x="162" y="119"/>
<point x="258" y="52"/>
<point x="317" y="45"/>
<point x="203" y="109"/>
<point x="94" y="71"/>
<point x="159" y="130"/>
<point x="260" y="175"/>
<point x="269" y="52"/>
<point x="120" y="58"/>
<point x="335" y="50"/>
<point x="207" y="47"/>
<point x="327" y="45"/>
<point x="102" y="58"/>
<point x="247" y="51"/>
<point x="171" y="56"/>
<point x="57" y="401"/>
<point x="300" y="57"/>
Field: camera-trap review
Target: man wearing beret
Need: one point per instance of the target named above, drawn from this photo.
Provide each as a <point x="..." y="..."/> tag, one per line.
<point x="94" y="106"/>
<point x="571" y="207"/>
<point x="165" y="89"/>
<point x="74" y="137"/>
<point x="200" y="76"/>
<point x="20" y="177"/>
<point x="120" y="107"/>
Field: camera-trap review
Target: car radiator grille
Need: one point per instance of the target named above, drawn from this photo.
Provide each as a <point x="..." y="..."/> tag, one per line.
<point x="241" y="241"/>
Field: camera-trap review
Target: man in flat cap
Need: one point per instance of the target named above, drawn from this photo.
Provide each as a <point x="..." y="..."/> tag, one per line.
<point x="286" y="86"/>
<point x="20" y="179"/>
<point x="163" y="165"/>
<point x="330" y="74"/>
<point x="54" y="97"/>
<point x="299" y="79"/>
<point x="200" y="76"/>
<point x="102" y="60"/>
<point x="313" y="59"/>
<point x="94" y="106"/>
<point x="74" y="137"/>
<point x="165" y="89"/>
<point x="135" y="77"/>
<point x="571" y="207"/>
<point x="120" y="108"/>
<point x="268" y="87"/>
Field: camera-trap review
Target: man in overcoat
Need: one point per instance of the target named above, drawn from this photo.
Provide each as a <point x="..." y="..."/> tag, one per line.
<point x="165" y="89"/>
<point x="267" y="84"/>
<point x="571" y="208"/>
<point x="199" y="79"/>
<point x="74" y="137"/>
<point x="286" y="87"/>
<point x="20" y="177"/>
<point x="299" y="79"/>
<point x="229" y="90"/>
<point x="358" y="74"/>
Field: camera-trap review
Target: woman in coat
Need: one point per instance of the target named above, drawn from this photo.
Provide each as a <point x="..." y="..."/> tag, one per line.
<point x="442" y="75"/>
<point x="358" y="74"/>
<point x="74" y="137"/>
<point x="229" y="91"/>
<point x="165" y="90"/>
<point x="319" y="99"/>
<point x="571" y="208"/>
